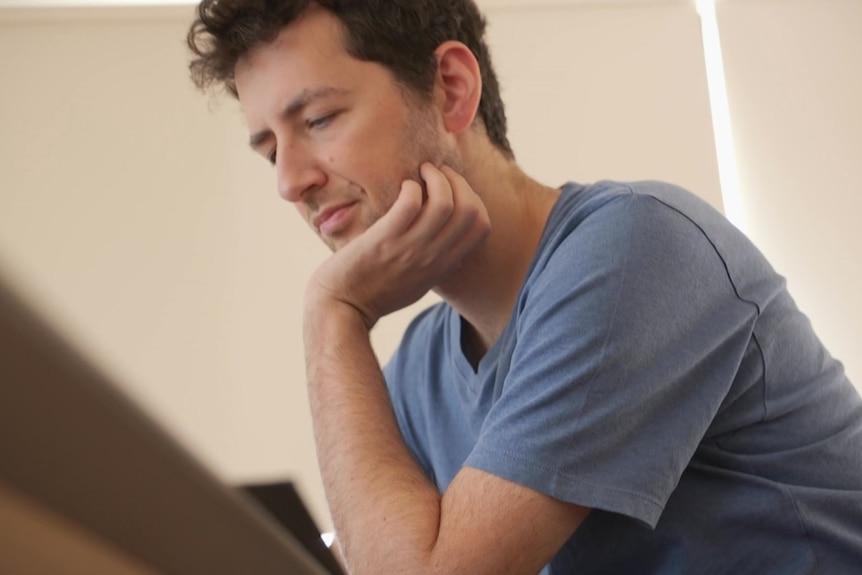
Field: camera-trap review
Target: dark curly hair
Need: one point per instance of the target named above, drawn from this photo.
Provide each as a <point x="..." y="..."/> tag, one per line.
<point x="402" y="35"/>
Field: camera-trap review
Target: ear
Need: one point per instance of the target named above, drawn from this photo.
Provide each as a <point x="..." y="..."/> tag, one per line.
<point x="458" y="85"/>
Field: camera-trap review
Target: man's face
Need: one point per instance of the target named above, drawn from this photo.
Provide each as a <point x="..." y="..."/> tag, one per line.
<point x="339" y="131"/>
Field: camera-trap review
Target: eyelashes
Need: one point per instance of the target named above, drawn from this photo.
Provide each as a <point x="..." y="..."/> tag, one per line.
<point x="312" y="125"/>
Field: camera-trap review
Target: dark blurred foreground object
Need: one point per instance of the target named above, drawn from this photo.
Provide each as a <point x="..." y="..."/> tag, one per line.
<point x="90" y="485"/>
<point x="283" y="502"/>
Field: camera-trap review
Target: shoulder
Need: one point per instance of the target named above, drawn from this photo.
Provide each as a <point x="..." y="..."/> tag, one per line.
<point x="609" y="222"/>
<point x="619" y="260"/>
<point x="628" y="199"/>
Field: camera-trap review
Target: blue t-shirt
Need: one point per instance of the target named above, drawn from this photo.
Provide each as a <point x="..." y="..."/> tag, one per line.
<point x="656" y="370"/>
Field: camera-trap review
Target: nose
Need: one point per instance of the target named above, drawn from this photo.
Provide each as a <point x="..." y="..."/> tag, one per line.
<point x="298" y="172"/>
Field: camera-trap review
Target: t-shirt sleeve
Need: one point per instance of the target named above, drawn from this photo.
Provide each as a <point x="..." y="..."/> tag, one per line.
<point x="627" y="341"/>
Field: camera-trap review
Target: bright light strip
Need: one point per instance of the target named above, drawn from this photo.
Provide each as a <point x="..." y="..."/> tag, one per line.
<point x="728" y="172"/>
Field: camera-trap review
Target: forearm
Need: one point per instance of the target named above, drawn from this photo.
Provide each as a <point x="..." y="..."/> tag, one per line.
<point x="386" y="512"/>
<point x="388" y="516"/>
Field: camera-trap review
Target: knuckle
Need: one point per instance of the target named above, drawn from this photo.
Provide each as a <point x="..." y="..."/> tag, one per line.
<point x="441" y="204"/>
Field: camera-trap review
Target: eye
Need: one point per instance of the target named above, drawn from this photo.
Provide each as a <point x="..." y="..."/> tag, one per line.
<point x="321" y="122"/>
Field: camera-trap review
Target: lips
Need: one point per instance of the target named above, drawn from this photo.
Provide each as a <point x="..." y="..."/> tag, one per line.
<point x="331" y="219"/>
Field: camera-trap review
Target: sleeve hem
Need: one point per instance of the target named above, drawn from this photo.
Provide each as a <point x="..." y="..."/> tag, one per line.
<point x="551" y="481"/>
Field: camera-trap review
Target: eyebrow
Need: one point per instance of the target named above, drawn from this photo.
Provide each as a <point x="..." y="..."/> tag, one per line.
<point x="294" y="107"/>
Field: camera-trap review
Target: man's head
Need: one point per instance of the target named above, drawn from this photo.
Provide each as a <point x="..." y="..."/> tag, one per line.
<point x="401" y="35"/>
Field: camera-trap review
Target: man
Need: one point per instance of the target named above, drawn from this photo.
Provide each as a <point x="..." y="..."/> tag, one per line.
<point x="616" y="382"/>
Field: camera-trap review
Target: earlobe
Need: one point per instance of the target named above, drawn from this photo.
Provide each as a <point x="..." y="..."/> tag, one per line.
<point x="459" y="85"/>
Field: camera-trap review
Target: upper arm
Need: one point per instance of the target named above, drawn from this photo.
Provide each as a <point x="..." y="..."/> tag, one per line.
<point x="622" y="356"/>
<point x="494" y="526"/>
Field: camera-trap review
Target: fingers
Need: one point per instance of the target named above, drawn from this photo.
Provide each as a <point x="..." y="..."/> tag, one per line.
<point x="446" y="207"/>
<point x="404" y="211"/>
<point x="414" y="246"/>
<point x="468" y="224"/>
<point x="440" y="204"/>
<point x="449" y="209"/>
<point x="436" y="234"/>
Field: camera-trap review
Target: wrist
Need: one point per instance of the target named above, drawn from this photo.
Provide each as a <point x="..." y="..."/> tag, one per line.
<point x="324" y="313"/>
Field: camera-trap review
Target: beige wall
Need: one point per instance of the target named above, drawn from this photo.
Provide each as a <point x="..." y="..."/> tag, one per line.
<point x="794" y="74"/>
<point x="134" y="212"/>
<point x="122" y="204"/>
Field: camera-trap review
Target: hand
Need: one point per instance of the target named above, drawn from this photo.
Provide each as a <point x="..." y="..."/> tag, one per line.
<point x="409" y="250"/>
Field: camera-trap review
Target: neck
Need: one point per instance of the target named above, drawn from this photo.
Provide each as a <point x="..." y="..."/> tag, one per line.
<point x="484" y="290"/>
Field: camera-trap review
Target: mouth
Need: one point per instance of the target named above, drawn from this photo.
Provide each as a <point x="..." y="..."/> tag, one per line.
<point x="333" y="219"/>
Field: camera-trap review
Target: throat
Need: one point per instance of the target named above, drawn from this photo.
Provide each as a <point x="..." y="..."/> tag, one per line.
<point x="472" y="346"/>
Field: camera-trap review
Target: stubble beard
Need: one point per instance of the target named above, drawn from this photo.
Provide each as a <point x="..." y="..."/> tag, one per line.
<point x="422" y="143"/>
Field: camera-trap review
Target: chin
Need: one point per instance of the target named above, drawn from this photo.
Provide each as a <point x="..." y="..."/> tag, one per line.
<point x="343" y="237"/>
<point x="336" y="243"/>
